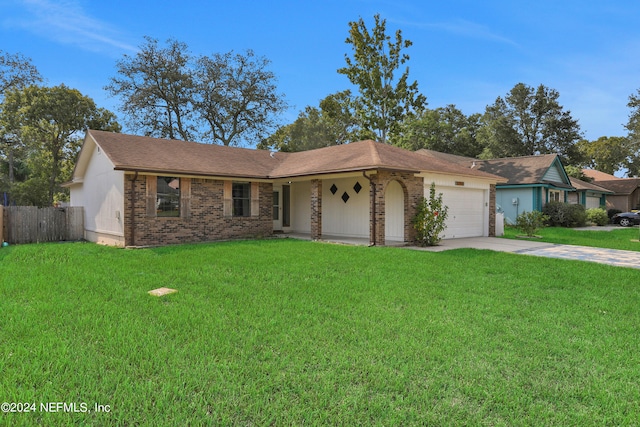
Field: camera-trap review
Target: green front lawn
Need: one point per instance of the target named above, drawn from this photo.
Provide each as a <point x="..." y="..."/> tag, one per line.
<point x="288" y="332"/>
<point x="618" y="238"/>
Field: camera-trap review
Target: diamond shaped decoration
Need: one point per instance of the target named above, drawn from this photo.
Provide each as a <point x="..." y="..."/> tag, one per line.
<point x="333" y="189"/>
<point x="345" y="197"/>
<point x="357" y="187"/>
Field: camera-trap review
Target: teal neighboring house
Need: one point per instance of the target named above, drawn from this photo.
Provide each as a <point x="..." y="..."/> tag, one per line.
<point x="532" y="182"/>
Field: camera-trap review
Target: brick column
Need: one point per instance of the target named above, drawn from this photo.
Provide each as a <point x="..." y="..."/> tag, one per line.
<point x="492" y="210"/>
<point x="316" y="208"/>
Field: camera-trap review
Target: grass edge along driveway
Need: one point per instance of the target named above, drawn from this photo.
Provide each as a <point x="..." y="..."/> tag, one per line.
<point x="289" y="332"/>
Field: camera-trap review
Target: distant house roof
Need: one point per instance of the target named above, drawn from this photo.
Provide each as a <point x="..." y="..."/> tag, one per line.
<point x="621" y="185"/>
<point x="146" y="154"/>
<point x="598" y="176"/>
<point x="581" y="185"/>
<point x="527" y="170"/>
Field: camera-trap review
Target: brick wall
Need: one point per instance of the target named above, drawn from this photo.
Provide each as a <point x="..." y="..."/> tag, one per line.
<point x="204" y="220"/>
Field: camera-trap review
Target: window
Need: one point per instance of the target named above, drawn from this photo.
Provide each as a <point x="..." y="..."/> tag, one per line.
<point x="554" y="196"/>
<point x="168" y="197"/>
<point x="241" y="195"/>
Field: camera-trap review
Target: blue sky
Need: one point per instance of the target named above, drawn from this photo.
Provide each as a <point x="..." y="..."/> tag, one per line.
<point x="465" y="53"/>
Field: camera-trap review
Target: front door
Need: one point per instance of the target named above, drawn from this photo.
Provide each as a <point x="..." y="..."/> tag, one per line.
<point x="277" y="208"/>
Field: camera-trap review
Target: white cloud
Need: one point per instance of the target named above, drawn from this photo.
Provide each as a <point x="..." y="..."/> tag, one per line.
<point x="65" y="21"/>
<point x="461" y="27"/>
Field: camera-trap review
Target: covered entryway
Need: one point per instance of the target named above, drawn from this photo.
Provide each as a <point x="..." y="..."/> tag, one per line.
<point x="394" y="212"/>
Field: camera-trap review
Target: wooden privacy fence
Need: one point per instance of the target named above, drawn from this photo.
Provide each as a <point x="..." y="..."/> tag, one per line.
<point x="30" y="224"/>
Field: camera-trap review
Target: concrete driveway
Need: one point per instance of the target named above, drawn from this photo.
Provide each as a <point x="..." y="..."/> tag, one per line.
<point x="615" y="257"/>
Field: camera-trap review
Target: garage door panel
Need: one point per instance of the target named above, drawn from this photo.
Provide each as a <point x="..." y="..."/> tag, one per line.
<point x="466" y="212"/>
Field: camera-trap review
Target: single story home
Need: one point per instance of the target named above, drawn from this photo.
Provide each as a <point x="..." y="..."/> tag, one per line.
<point x="626" y="193"/>
<point x="588" y="194"/>
<point x="139" y="191"/>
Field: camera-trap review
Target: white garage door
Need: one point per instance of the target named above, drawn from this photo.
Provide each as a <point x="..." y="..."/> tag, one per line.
<point x="466" y="209"/>
<point x="593" y="202"/>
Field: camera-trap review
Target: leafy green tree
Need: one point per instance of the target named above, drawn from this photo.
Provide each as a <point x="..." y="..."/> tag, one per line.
<point x="384" y="100"/>
<point x="16" y="71"/>
<point x="156" y="90"/>
<point x="444" y="129"/>
<point x="530" y="121"/>
<point x="226" y="98"/>
<point x="430" y="218"/>
<point x="332" y="124"/>
<point x="632" y="163"/>
<point x="235" y="95"/>
<point x="576" y="172"/>
<point x="606" y="154"/>
<point x="49" y="122"/>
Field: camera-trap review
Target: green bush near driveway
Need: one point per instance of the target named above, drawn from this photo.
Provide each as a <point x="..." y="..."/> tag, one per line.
<point x="597" y="216"/>
<point x="565" y="214"/>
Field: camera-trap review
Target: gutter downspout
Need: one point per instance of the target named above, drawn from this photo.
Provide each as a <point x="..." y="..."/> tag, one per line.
<point x="373" y="207"/>
<point x="133" y="209"/>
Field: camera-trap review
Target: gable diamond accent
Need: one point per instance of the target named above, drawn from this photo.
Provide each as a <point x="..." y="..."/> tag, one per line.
<point x="333" y="189"/>
<point x="357" y="187"/>
<point x="345" y="197"/>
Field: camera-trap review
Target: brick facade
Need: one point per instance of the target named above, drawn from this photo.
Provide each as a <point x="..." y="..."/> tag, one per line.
<point x="202" y="215"/>
<point x="413" y="190"/>
<point x="492" y="210"/>
<point x="316" y="208"/>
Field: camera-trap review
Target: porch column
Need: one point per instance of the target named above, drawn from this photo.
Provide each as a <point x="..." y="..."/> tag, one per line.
<point x="492" y="210"/>
<point x="378" y="209"/>
<point x="316" y="208"/>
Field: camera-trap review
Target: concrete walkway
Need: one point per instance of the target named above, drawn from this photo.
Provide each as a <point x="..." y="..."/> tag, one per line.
<point x="615" y="257"/>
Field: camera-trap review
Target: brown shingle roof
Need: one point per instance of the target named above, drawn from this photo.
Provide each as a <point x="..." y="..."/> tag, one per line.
<point x="145" y="154"/>
<point x="367" y="155"/>
<point x="620" y="185"/>
<point x="597" y="175"/>
<point x="454" y="158"/>
<point x="581" y="185"/>
<point x="520" y="170"/>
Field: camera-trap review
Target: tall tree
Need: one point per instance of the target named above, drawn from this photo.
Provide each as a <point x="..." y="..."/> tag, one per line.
<point x="236" y="97"/>
<point x="16" y="71"/>
<point x="331" y="124"/>
<point x="384" y="100"/>
<point x="606" y="154"/>
<point x="632" y="163"/>
<point x="49" y="121"/>
<point x="156" y="90"/>
<point x="445" y="129"/>
<point x="226" y="98"/>
<point x="530" y="121"/>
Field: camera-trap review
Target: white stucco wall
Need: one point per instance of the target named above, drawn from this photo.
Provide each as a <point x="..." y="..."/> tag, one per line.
<point x="350" y="218"/>
<point x="301" y="207"/>
<point x="102" y="195"/>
